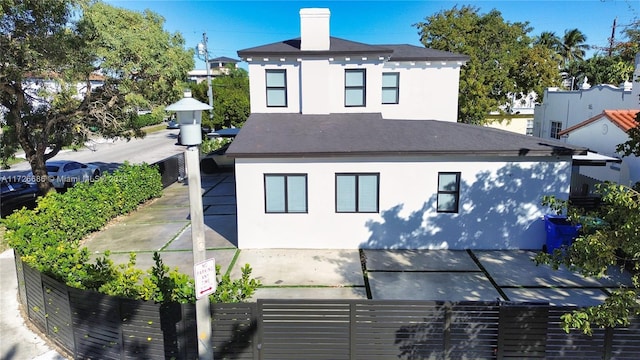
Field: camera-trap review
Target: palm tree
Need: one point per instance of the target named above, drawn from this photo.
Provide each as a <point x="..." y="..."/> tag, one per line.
<point x="573" y="45"/>
<point x="550" y="40"/>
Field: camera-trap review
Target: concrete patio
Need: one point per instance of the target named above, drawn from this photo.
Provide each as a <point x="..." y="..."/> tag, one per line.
<point x="164" y="226"/>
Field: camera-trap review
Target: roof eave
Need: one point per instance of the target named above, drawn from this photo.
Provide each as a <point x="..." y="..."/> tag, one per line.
<point x="504" y="153"/>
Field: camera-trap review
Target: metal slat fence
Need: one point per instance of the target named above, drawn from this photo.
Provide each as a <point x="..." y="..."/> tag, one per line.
<point x="89" y="325"/>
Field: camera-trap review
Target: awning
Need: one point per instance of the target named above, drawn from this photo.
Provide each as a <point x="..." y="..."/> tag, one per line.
<point x="593" y="159"/>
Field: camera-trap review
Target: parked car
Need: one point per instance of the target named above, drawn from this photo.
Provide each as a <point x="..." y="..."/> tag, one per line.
<point x="172" y="124"/>
<point x="65" y="173"/>
<point x="16" y="195"/>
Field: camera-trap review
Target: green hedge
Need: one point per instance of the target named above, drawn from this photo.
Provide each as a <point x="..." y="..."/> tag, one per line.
<point x="48" y="239"/>
<point x="141" y="121"/>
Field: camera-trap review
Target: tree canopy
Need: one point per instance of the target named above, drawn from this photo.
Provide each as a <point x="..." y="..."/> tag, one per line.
<point x="67" y="66"/>
<point x="503" y="59"/>
<point x="231" y="105"/>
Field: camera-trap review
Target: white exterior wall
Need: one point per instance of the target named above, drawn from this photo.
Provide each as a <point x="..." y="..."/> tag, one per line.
<point x="499" y="204"/>
<point x="573" y="107"/>
<point x="428" y="91"/>
<point x="602" y="136"/>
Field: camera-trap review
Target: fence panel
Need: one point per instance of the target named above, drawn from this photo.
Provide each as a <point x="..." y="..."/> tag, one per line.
<point x="35" y="297"/>
<point x="59" y="324"/>
<point x="522" y="331"/>
<point x="234" y="330"/>
<point x="311" y="329"/>
<point x="573" y="345"/>
<point x="141" y="330"/>
<point x="625" y="342"/>
<point x="390" y="330"/>
<point x="97" y="325"/>
<point x="473" y="330"/>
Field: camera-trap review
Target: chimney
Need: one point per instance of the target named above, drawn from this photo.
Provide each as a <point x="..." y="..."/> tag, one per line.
<point x="314" y="29"/>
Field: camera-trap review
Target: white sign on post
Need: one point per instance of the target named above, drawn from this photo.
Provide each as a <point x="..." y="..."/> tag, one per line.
<point x="205" y="276"/>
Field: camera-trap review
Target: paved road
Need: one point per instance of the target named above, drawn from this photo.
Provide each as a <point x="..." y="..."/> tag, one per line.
<point x="109" y="154"/>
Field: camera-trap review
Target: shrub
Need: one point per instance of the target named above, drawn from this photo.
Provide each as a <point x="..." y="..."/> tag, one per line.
<point x="47" y="238"/>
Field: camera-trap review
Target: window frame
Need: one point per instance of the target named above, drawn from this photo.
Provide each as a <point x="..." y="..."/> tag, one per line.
<point x="285" y="192"/>
<point x="362" y="87"/>
<point x="356" y="193"/>
<point x="282" y="88"/>
<point x="396" y="88"/>
<point x="556" y="128"/>
<point x="455" y="193"/>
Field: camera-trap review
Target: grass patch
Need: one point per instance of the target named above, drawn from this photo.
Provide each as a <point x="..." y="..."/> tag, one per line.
<point x="3" y="242"/>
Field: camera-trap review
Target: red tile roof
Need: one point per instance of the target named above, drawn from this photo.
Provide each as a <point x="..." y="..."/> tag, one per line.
<point x="624" y="119"/>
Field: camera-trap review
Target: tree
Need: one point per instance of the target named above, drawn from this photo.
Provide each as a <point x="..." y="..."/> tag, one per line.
<point x="230" y="98"/>
<point x="68" y="42"/>
<point x="497" y="50"/>
<point x="632" y="146"/>
<point x="548" y="39"/>
<point x="573" y="45"/>
<point x="609" y="240"/>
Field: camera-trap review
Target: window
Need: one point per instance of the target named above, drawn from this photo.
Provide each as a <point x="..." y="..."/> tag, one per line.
<point x="448" y="192"/>
<point x="556" y="127"/>
<point x="355" y="87"/>
<point x="529" y="127"/>
<point x="285" y="193"/>
<point x="276" y="88"/>
<point x="390" y="88"/>
<point x="357" y="193"/>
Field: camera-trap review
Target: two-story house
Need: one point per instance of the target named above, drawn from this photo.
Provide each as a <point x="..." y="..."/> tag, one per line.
<point x="351" y="145"/>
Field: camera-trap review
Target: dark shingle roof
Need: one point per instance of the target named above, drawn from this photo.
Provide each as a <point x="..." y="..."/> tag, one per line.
<point x="337" y="46"/>
<point x="401" y="52"/>
<point x="405" y="52"/>
<point x="294" y="135"/>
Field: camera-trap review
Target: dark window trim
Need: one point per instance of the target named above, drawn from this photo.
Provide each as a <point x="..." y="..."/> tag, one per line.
<point x="555" y="130"/>
<point x="284" y="72"/>
<point x="357" y="175"/>
<point x="363" y="87"/>
<point x="396" y="88"/>
<point x="455" y="192"/>
<point x="286" y="199"/>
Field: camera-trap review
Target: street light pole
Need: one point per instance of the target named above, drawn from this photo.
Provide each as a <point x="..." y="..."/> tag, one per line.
<point x="189" y="115"/>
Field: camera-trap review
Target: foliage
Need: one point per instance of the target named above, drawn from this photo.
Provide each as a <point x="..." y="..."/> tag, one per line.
<point x="502" y="61"/>
<point x="58" y="44"/>
<point x="230" y="98"/>
<point x="210" y="145"/>
<point x="609" y="239"/>
<point x="48" y="239"/>
<point x="148" y="120"/>
<point x="573" y="45"/>
<point x="48" y="236"/>
<point x="632" y="146"/>
<point x="600" y="70"/>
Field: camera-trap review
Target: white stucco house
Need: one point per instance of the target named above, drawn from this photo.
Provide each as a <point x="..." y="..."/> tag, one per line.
<point x="601" y="134"/>
<point x="352" y="145"/>
<point x="561" y="109"/>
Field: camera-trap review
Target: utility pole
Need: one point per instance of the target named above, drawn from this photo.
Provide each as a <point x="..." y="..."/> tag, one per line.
<point x="202" y="50"/>
<point x="613" y="37"/>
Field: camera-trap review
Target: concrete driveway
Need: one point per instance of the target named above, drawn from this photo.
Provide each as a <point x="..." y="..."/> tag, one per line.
<point x="164" y="226"/>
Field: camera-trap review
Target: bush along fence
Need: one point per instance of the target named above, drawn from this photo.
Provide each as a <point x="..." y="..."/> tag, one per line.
<point x="90" y="325"/>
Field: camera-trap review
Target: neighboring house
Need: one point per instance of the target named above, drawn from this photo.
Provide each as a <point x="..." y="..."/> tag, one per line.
<point x="518" y="117"/>
<point x="217" y="66"/>
<point x="561" y="110"/>
<point x="602" y="133"/>
<point x="357" y="146"/>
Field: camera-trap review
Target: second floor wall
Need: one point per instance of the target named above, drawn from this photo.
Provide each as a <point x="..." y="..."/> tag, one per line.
<point x="416" y="90"/>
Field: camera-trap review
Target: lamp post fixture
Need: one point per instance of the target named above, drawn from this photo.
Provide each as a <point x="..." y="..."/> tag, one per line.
<point x="189" y="115"/>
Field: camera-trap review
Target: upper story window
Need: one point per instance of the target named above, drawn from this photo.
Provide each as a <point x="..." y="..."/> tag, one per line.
<point x="529" y="127"/>
<point x="556" y="127"/>
<point x="276" y="88"/>
<point x="448" y="192"/>
<point x="285" y="193"/>
<point x="390" y="88"/>
<point x="355" y="87"/>
<point x="357" y="193"/>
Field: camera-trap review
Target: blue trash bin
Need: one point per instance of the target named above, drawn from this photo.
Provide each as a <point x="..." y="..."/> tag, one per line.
<point x="560" y="232"/>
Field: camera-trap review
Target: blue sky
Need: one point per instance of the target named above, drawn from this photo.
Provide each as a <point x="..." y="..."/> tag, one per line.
<point x="235" y="25"/>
